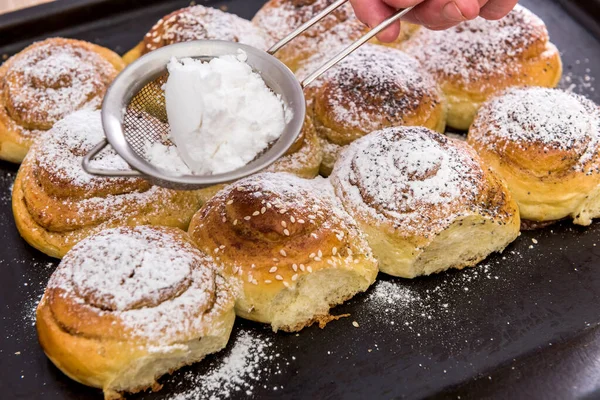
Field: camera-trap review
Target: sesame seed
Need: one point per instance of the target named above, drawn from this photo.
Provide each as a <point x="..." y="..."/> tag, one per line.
<point x="283" y="253"/>
<point x="267" y="281"/>
<point x="295" y="267"/>
<point x="311" y="217"/>
<point x="292" y="219"/>
<point x="263" y="210"/>
<point x="286" y="232"/>
<point x="230" y="202"/>
<point x="216" y="250"/>
<point x="253" y="266"/>
<point x="269" y="205"/>
<point x="234" y="269"/>
<point x="330" y="262"/>
<point x="309" y="269"/>
<point x="349" y="252"/>
<point x="279" y="277"/>
<point x="255" y="213"/>
<point x="247" y="218"/>
<point x="283" y="224"/>
<point x="302" y="267"/>
<point x="286" y="284"/>
<point x="317" y="258"/>
<point x="254" y="282"/>
<point x="275" y="259"/>
<point x="282" y="211"/>
<point x="273" y="269"/>
<point x="235" y="222"/>
<point x="300" y="221"/>
<point x="224" y="219"/>
<point x="355" y="324"/>
<point x="534" y="241"/>
<point x="312" y="255"/>
<point x="222" y="246"/>
<point x="334" y="251"/>
<point x="320" y="253"/>
<point x="294" y="277"/>
<point x="314" y="235"/>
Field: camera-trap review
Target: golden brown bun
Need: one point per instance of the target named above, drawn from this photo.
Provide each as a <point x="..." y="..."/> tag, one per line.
<point x="45" y="82"/>
<point x="198" y="23"/>
<point x="545" y="143"/>
<point x="478" y="59"/>
<point x="334" y="32"/>
<point x="129" y="305"/>
<point x="304" y="157"/>
<point x="56" y="204"/>
<point x="291" y="250"/>
<point x="376" y="87"/>
<point x="422" y="198"/>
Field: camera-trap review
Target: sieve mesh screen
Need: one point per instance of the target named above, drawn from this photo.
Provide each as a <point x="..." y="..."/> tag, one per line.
<point x="146" y="119"/>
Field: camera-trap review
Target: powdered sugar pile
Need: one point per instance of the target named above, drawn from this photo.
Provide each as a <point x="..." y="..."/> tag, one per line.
<point x="412" y="177"/>
<point x="49" y="81"/>
<point x="553" y="118"/>
<point x="166" y="157"/>
<point x="198" y="22"/>
<point x="240" y="371"/>
<point x="374" y="81"/>
<point x="122" y="272"/>
<point x="474" y="50"/>
<point x="391" y="298"/>
<point x="221" y="113"/>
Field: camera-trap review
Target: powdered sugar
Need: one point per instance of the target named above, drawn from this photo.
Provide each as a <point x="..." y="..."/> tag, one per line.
<point x="240" y="371"/>
<point x="199" y="22"/>
<point x="52" y="79"/>
<point x="122" y="272"/>
<point x="474" y="50"/>
<point x="166" y="157"/>
<point x="551" y="118"/>
<point x="405" y="176"/>
<point x="391" y="298"/>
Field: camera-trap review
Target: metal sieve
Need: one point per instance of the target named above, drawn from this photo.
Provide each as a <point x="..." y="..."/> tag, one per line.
<point x="134" y="110"/>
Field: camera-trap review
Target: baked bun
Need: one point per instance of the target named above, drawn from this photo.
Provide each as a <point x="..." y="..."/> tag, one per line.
<point x="291" y="250"/>
<point x="304" y="158"/>
<point x="199" y="23"/>
<point x="56" y="204"/>
<point x="545" y="143"/>
<point x="45" y="82"/>
<point x="478" y="59"/>
<point x="128" y="305"/>
<point x="332" y="34"/>
<point x="421" y="198"/>
<point x="376" y="87"/>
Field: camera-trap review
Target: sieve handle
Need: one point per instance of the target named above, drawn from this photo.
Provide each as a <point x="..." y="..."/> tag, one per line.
<point x="115" y="173"/>
<point x="350" y="49"/>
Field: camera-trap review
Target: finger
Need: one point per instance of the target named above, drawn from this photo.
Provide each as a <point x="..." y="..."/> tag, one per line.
<point x="439" y="13"/>
<point x="496" y="9"/>
<point x="372" y="13"/>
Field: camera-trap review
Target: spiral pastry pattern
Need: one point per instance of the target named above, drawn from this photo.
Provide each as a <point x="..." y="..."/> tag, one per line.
<point x="478" y="59"/>
<point x="47" y="81"/>
<point x="199" y="23"/>
<point x="56" y="204"/>
<point x="374" y="88"/>
<point x="546" y="145"/>
<point x="419" y="196"/>
<point x="290" y="247"/>
<point x="130" y="304"/>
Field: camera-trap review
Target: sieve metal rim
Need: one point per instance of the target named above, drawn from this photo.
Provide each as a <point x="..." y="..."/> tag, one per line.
<point x="152" y="65"/>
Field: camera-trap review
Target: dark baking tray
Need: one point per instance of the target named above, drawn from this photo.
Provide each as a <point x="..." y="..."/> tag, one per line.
<point x="524" y="325"/>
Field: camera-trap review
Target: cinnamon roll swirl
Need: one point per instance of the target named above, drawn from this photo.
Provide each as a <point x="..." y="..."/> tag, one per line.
<point x="545" y="143"/>
<point x="421" y="198"/>
<point x="478" y="59"/>
<point x="45" y="82"/>
<point x="333" y="33"/>
<point x="128" y="305"/>
<point x="199" y="23"/>
<point x="288" y="246"/>
<point x="374" y="88"/>
<point x="56" y="204"/>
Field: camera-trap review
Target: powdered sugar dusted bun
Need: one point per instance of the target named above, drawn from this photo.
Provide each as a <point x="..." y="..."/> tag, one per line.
<point x="56" y="204"/>
<point x="288" y="246"/>
<point x="477" y="59"/>
<point x="45" y="82"/>
<point x="374" y="88"/>
<point x="421" y="197"/>
<point x="128" y="305"/>
<point x="199" y="23"/>
<point x="546" y="145"/>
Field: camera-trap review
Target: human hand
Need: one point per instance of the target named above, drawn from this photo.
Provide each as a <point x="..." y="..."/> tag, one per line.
<point x="433" y="14"/>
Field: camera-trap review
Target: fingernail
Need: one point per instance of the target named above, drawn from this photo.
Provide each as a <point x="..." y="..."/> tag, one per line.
<point x="452" y="13"/>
